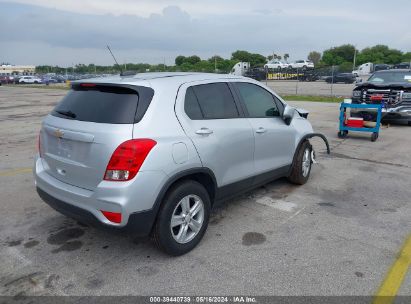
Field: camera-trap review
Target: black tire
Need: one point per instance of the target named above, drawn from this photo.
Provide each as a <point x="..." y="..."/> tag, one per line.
<point x="162" y="233"/>
<point x="409" y="123"/>
<point x="342" y="134"/>
<point x="297" y="176"/>
<point x="374" y="136"/>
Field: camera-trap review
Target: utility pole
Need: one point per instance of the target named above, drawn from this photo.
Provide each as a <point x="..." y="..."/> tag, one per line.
<point x="355" y="58"/>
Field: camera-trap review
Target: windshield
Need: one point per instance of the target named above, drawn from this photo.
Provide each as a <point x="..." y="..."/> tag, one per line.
<point x="391" y="77"/>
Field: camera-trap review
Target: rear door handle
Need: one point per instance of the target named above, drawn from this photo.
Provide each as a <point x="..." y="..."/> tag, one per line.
<point x="260" y="130"/>
<point x="204" y="131"/>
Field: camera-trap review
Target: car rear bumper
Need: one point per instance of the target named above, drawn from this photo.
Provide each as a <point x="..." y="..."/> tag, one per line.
<point x="135" y="199"/>
<point x="138" y="224"/>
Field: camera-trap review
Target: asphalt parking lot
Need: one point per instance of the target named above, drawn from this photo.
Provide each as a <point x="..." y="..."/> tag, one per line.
<point x="315" y="88"/>
<point x="337" y="235"/>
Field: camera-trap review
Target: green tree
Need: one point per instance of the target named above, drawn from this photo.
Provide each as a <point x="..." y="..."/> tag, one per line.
<point x="286" y="56"/>
<point x="193" y="59"/>
<point x="345" y="67"/>
<point x="379" y="54"/>
<point x="338" y="55"/>
<point x="315" y="57"/>
<point x="253" y="59"/>
<point x="406" y="57"/>
<point x="180" y="60"/>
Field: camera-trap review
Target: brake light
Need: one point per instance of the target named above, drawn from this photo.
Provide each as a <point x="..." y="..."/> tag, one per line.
<point x="87" y="85"/>
<point x="114" y="217"/>
<point x="127" y="159"/>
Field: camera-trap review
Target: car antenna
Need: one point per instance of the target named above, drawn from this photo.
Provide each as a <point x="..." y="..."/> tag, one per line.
<point x="115" y="60"/>
<point x="122" y="73"/>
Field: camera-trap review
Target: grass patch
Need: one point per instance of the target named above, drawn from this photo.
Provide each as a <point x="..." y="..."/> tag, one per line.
<point x="313" y="98"/>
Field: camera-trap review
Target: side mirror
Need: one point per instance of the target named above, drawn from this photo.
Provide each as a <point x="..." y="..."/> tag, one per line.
<point x="288" y="114"/>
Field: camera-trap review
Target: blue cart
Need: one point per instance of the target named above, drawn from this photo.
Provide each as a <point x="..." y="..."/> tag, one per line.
<point x="343" y="132"/>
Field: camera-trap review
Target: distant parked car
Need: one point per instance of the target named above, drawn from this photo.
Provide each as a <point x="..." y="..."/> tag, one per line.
<point x="4" y="79"/>
<point x="341" y="77"/>
<point x="47" y="80"/>
<point x="30" y="79"/>
<point x="381" y="67"/>
<point x="402" y="65"/>
<point x="276" y="64"/>
<point x="301" y="64"/>
<point x="16" y="79"/>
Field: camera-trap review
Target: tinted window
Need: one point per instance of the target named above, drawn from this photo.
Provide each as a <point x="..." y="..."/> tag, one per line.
<point x="258" y="102"/>
<point x="102" y="104"/>
<point x="216" y="101"/>
<point x="191" y="105"/>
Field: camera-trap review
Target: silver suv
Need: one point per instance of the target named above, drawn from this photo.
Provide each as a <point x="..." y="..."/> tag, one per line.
<point x="152" y="153"/>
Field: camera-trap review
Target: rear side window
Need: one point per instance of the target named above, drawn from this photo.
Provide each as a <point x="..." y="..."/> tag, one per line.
<point x="191" y="106"/>
<point x="258" y="102"/>
<point x="101" y="104"/>
<point x="215" y="101"/>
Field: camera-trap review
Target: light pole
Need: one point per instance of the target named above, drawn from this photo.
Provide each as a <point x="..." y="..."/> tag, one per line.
<point x="355" y="57"/>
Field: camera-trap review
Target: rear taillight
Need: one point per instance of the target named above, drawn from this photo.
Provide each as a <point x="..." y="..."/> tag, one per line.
<point x="127" y="159"/>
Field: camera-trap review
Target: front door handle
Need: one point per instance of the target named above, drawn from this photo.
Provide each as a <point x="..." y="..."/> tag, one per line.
<point x="204" y="131"/>
<point x="260" y="130"/>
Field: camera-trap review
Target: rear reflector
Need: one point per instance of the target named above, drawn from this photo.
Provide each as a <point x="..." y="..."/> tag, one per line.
<point x="127" y="159"/>
<point x="114" y="217"/>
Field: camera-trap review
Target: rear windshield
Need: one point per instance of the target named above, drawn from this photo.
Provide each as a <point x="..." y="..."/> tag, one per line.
<point x="101" y="104"/>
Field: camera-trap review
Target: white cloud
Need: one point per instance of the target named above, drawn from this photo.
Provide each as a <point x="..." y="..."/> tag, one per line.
<point x="70" y="31"/>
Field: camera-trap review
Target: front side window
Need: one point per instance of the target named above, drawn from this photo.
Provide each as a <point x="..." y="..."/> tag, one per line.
<point x="258" y="101"/>
<point x="214" y="99"/>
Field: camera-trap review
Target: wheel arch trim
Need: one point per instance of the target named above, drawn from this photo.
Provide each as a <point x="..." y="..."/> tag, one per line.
<point x="306" y="137"/>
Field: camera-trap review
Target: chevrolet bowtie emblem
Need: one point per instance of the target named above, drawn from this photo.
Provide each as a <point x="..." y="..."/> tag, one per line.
<point x="58" y="133"/>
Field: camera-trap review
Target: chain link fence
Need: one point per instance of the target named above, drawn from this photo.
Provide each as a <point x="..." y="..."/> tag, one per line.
<point x="324" y="81"/>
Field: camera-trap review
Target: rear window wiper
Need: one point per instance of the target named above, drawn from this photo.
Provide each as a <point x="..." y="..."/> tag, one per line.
<point x="67" y="113"/>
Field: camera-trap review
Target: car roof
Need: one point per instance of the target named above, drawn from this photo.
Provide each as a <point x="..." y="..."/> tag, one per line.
<point x="176" y="78"/>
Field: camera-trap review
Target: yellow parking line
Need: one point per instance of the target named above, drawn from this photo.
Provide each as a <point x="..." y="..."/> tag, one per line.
<point x="15" y="171"/>
<point x="395" y="276"/>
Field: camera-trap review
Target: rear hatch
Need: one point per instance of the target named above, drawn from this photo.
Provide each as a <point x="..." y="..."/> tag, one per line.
<point x="79" y="136"/>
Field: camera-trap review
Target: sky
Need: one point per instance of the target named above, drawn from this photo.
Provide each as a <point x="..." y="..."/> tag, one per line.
<point x="67" y="32"/>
